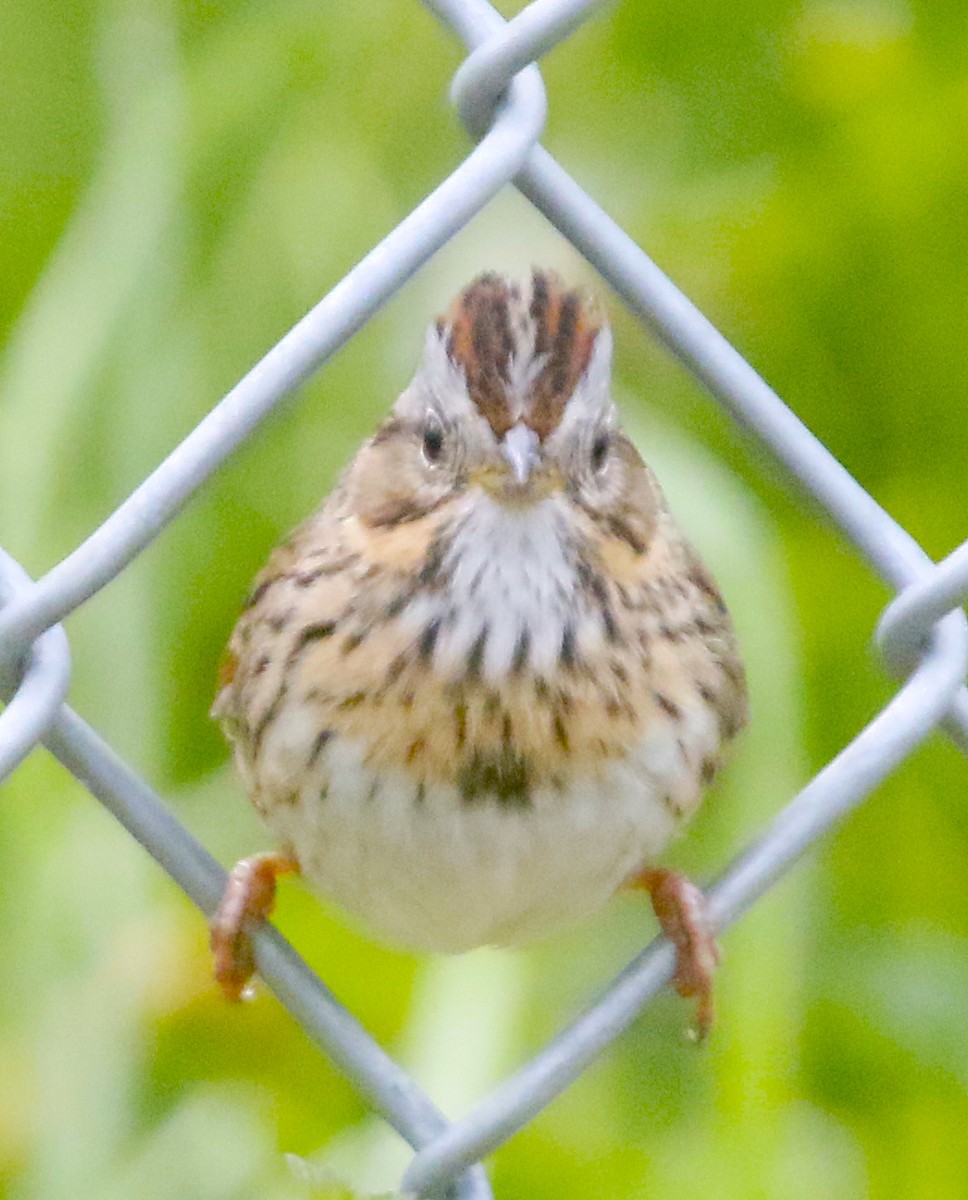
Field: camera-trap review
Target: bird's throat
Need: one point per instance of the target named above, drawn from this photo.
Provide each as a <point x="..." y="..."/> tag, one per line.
<point x="506" y="588"/>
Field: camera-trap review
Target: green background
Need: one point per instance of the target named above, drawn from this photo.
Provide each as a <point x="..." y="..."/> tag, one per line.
<point x="179" y="182"/>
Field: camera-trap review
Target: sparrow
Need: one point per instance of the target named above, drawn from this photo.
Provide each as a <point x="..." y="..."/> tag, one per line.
<point x="489" y="680"/>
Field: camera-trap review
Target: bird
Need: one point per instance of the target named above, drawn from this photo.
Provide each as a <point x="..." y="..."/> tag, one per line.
<point x="481" y="689"/>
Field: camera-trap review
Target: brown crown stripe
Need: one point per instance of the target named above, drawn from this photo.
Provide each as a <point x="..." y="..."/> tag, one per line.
<point x="565" y="331"/>
<point x="480" y="340"/>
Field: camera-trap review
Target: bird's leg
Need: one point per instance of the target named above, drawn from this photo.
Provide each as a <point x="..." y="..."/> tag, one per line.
<point x="249" y="897"/>
<point x="681" y="911"/>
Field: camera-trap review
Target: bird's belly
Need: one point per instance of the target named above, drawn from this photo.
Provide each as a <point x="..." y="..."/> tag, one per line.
<point x="426" y="868"/>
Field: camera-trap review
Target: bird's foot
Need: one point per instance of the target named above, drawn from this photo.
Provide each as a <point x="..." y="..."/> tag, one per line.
<point x="681" y="911"/>
<point x="249" y="897"/>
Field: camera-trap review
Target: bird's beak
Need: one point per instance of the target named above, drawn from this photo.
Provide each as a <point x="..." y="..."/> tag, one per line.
<point x="519" y="448"/>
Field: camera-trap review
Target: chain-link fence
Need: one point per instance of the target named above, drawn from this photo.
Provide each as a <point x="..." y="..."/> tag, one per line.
<point x="500" y="96"/>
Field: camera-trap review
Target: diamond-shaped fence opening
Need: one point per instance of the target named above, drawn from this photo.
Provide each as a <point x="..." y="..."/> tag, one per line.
<point x="923" y="635"/>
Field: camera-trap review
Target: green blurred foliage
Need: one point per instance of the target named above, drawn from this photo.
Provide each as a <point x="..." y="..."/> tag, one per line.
<point x="179" y="181"/>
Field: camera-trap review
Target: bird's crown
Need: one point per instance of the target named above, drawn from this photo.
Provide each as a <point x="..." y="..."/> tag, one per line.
<point x="522" y="349"/>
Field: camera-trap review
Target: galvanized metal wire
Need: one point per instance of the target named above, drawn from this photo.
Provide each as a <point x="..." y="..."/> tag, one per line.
<point x="923" y="633"/>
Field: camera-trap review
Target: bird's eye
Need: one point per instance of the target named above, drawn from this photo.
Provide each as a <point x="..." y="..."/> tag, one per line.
<point x="433" y="442"/>
<point x="600" y="451"/>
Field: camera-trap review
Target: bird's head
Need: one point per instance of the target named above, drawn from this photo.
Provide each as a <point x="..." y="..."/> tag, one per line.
<point x="512" y="398"/>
